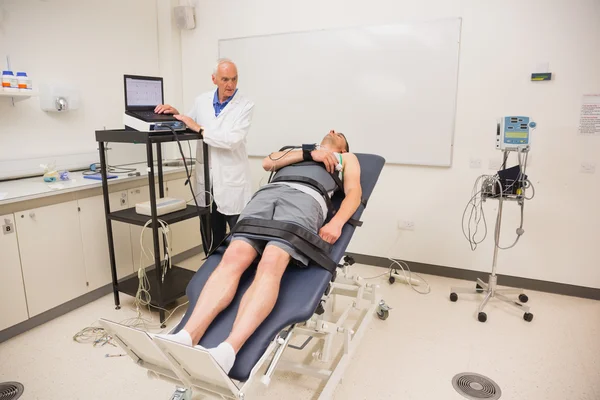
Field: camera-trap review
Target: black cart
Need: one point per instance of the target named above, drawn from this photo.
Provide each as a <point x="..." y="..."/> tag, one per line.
<point x="176" y="278"/>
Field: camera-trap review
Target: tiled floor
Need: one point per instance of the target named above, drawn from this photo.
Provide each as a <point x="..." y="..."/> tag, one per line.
<point x="412" y="355"/>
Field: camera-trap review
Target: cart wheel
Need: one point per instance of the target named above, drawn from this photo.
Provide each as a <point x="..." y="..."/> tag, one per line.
<point x="163" y="326"/>
<point x="482" y="317"/>
<point x="453" y="297"/>
<point x="528" y="317"/>
<point x="117" y="307"/>
<point x="478" y="288"/>
<point x="523" y="298"/>
<point x="383" y="314"/>
<point x="392" y="280"/>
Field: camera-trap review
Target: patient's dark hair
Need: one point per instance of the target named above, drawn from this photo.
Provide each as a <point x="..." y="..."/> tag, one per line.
<point x="347" y="144"/>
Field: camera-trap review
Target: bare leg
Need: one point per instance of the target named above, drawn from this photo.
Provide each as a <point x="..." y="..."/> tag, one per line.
<point x="260" y="298"/>
<point x="220" y="288"/>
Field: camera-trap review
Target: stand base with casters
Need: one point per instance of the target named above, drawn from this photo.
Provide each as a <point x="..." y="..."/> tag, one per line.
<point x="491" y="292"/>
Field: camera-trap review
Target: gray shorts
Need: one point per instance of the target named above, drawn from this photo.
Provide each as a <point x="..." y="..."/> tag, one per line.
<point x="282" y="203"/>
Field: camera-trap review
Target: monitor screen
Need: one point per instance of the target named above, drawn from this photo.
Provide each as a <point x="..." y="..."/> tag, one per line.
<point x="143" y="92"/>
<point x="516" y="135"/>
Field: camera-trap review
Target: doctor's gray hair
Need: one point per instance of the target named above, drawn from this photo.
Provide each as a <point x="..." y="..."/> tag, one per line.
<point x="221" y="61"/>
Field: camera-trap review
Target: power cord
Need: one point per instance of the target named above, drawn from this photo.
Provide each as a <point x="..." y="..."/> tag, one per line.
<point x="403" y="264"/>
<point x="203" y="231"/>
<point x="95" y="168"/>
<point x="143" y="297"/>
<point x="94" y="334"/>
<point x="167" y="238"/>
<point x="99" y="337"/>
<point x="476" y="214"/>
<point x="287" y="151"/>
<point x="210" y="195"/>
<point x="409" y="277"/>
<point x="530" y="185"/>
<point x="487" y="183"/>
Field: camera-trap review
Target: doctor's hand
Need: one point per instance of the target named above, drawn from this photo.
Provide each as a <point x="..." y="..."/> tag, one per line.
<point x="326" y="157"/>
<point x="190" y="123"/>
<point x="165" y="109"/>
<point x="330" y="232"/>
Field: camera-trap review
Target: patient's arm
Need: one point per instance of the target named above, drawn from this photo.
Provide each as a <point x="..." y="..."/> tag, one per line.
<point x="332" y="230"/>
<point x="280" y="159"/>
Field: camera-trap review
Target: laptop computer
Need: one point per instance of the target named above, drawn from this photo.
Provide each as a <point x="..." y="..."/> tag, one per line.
<point x="142" y="95"/>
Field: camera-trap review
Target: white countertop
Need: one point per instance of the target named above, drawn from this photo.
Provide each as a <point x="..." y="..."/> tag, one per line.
<point x="34" y="188"/>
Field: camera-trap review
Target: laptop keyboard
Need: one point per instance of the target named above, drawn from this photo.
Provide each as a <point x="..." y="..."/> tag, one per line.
<point x="152" y="114"/>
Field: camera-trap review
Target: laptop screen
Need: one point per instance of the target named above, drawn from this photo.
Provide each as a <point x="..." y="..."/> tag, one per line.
<point x="143" y="92"/>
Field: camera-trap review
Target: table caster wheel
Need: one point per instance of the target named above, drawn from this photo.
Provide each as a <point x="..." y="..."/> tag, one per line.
<point x="392" y="280"/>
<point x="523" y="298"/>
<point x="383" y="311"/>
<point x="163" y="326"/>
<point x="117" y="307"/>
<point x="478" y="288"/>
<point x="453" y="297"/>
<point x="383" y="314"/>
<point x="482" y="317"/>
<point x="528" y="317"/>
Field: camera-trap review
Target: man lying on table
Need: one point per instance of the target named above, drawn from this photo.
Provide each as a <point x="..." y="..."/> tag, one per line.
<point x="293" y="202"/>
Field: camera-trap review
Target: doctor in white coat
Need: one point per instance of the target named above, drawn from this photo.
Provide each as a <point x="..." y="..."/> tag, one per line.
<point x="224" y="116"/>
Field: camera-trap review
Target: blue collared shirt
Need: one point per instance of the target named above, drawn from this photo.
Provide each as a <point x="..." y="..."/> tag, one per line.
<point x="220" y="106"/>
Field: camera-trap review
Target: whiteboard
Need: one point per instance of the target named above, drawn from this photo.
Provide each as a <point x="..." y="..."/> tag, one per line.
<point x="390" y="89"/>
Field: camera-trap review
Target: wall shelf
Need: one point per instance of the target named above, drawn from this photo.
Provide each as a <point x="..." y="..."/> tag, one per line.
<point x="17" y="96"/>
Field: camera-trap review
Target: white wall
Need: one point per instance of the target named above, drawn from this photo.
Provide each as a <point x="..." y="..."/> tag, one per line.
<point x="169" y="51"/>
<point x="89" y="44"/>
<point x="502" y="42"/>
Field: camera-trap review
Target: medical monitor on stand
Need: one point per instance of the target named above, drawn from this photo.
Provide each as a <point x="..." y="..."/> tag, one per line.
<point x="509" y="184"/>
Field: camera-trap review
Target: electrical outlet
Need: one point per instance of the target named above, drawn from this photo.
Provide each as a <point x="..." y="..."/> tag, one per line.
<point x="406" y="225"/>
<point x="475" y="163"/>
<point x="588" y="168"/>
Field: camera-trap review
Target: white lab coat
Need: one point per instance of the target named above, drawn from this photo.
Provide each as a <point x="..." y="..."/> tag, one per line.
<point x="228" y="159"/>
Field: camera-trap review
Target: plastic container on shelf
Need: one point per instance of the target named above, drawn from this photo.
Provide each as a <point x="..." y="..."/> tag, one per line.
<point x="9" y="81"/>
<point x="23" y="82"/>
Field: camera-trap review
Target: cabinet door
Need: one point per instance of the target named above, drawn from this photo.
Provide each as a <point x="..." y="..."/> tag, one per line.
<point x="185" y="234"/>
<point x="139" y="195"/>
<point x="51" y="255"/>
<point x="13" y="306"/>
<point x="95" y="241"/>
